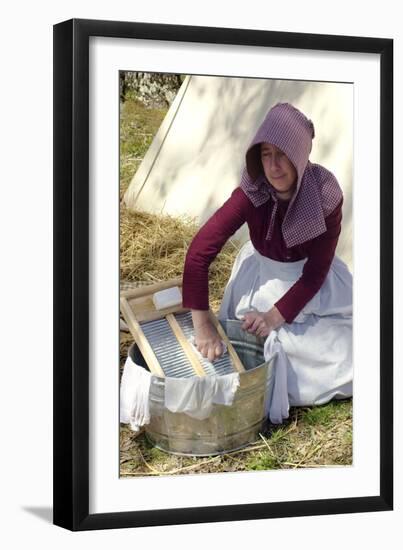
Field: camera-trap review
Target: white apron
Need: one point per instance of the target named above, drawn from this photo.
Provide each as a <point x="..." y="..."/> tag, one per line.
<point x="314" y="352"/>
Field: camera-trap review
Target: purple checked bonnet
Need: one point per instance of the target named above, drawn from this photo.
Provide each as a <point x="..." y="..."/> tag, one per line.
<point x="317" y="193"/>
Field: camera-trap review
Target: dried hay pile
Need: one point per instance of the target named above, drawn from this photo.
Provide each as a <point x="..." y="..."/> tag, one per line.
<point x="153" y="248"/>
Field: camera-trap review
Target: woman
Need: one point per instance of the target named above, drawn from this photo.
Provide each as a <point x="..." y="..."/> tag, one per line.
<point x="286" y="285"/>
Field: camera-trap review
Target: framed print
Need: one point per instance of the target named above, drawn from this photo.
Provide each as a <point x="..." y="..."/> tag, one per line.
<point x="157" y="131"/>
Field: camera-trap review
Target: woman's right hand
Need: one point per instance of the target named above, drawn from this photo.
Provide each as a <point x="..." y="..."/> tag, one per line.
<point x="207" y="339"/>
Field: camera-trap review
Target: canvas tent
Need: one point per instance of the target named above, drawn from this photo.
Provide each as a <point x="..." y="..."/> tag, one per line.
<point x="197" y="155"/>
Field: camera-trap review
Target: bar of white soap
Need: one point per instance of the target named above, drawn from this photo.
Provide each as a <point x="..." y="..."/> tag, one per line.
<point x="167" y="298"/>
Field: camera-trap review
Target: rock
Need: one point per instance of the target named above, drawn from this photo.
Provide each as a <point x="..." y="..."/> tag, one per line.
<point x="154" y="90"/>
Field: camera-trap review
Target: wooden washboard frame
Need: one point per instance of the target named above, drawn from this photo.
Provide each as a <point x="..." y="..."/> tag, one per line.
<point x="137" y="307"/>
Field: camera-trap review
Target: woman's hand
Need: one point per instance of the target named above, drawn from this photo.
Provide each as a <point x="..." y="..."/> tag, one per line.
<point x="262" y="324"/>
<point x="207" y="339"/>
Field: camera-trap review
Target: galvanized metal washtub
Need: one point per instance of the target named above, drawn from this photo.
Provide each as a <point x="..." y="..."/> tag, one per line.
<point x="228" y="427"/>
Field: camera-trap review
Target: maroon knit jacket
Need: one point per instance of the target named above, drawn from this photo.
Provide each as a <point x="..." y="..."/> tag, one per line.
<point x="237" y="210"/>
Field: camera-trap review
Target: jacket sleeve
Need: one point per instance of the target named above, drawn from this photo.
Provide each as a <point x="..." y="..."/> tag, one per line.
<point x="315" y="269"/>
<point x="205" y="246"/>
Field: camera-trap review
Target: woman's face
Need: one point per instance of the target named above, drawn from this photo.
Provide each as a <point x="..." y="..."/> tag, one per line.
<point x="279" y="170"/>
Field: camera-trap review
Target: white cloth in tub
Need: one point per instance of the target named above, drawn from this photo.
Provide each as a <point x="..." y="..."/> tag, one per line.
<point x="197" y="395"/>
<point x="194" y="396"/>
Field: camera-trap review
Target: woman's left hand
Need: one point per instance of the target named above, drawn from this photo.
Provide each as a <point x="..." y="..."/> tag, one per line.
<point x="262" y="324"/>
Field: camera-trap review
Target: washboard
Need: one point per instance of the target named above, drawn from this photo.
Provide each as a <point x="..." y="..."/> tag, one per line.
<point x="165" y="336"/>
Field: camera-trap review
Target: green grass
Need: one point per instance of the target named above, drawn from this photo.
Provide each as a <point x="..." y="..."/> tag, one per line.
<point x="138" y="125"/>
<point x="261" y="461"/>
<point x="327" y="414"/>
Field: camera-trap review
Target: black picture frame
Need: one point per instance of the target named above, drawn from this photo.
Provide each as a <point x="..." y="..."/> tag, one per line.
<point x="71" y="273"/>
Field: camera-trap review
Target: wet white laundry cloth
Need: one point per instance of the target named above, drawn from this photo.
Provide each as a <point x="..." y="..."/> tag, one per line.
<point x="194" y="396"/>
<point x="134" y="395"/>
<point x="197" y="395"/>
<point x="313" y="353"/>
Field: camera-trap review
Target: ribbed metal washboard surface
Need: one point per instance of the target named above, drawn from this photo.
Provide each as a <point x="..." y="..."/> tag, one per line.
<point x="170" y="354"/>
